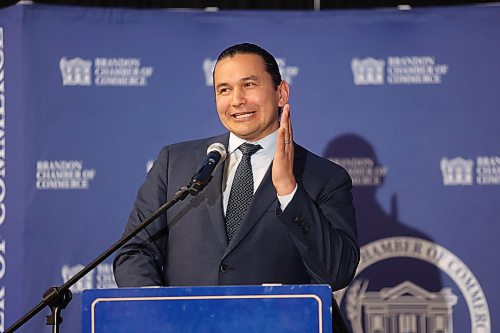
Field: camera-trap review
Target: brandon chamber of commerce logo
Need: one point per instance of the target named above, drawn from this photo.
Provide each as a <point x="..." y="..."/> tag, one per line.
<point x="100" y="277"/>
<point x="287" y="72"/>
<point x="484" y="170"/>
<point x="364" y="171"/>
<point x="121" y="72"/>
<point x="406" y="307"/>
<point x="63" y="175"/>
<point x="398" y="70"/>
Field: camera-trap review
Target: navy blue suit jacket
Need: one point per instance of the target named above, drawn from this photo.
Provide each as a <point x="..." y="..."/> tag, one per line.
<point x="312" y="241"/>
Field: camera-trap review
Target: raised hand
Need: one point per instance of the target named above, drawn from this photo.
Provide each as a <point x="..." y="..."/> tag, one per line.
<point x="282" y="172"/>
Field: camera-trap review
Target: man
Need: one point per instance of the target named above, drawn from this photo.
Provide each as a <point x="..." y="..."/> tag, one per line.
<point x="299" y="225"/>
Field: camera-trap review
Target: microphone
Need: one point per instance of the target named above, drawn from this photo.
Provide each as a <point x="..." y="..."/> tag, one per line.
<point x="216" y="153"/>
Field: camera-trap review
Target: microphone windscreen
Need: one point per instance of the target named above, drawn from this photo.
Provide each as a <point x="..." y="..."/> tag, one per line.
<point x="219" y="148"/>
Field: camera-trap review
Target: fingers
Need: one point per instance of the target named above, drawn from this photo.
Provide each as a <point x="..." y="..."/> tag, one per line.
<point x="286" y="134"/>
<point x="289" y="123"/>
<point x="282" y="171"/>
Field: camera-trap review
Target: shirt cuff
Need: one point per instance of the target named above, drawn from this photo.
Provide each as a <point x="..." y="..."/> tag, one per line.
<point x="285" y="199"/>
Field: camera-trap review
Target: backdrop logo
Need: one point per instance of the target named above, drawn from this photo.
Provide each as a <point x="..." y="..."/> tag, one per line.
<point x="407" y="302"/>
<point x="149" y="165"/>
<point x="368" y="71"/>
<point x="460" y="171"/>
<point x="99" y="278"/>
<point x="367" y="310"/>
<point x="488" y="170"/>
<point x="457" y="171"/>
<point x="63" y="175"/>
<point x="287" y="72"/>
<point x="75" y="72"/>
<point x="419" y="70"/>
<point x="208" y="69"/>
<point x="122" y="72"/>
<point x="364" y="171"/>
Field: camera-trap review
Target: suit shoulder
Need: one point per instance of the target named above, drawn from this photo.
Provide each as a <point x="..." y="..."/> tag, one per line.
<point x="190" y="145"/>
<point x="319" y="176"/>
<point x="314" y="162"/>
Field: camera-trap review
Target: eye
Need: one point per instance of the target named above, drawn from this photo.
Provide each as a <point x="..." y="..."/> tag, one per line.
<point x="250" y="84"/>
<point x="223" y="91"/>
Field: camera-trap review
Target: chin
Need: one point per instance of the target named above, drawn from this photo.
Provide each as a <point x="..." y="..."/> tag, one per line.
<point x="246" y="136"/>
<point x="243" y="133"/>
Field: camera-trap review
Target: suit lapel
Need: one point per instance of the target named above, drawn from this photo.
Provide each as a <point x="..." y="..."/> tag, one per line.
<point x="264" y="197"/>
<point x="213" y="195"/>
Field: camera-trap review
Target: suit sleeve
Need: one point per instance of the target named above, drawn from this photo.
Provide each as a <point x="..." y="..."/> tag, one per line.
<point x="140" y="262"/>
<point x="323" y="227"/>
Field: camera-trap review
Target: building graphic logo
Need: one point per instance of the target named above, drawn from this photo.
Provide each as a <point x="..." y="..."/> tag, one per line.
<point x="483" y="171"/>
<point x="406" y="307"/>
<point x="87" y="282"/>
<point x="457" y="171"/>
<point x="368" y="71"/>
<point x="75" y="72"/>
<point x="287" y="72"/>
<point x="208" y="69"/>
<point x="100" y="277"/>
<point x="403" y="308"/>
<point x="104" y="72"/>
<point x="398" y="70"/>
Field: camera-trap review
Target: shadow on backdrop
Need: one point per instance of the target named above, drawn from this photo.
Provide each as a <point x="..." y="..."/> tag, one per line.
<point x="358" y="157"/>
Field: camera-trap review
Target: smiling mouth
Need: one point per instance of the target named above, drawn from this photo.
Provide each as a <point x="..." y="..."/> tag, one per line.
<point x="242" y="116"/>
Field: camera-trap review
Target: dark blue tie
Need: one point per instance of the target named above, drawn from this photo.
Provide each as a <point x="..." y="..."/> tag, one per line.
<point x="241" y="190"/>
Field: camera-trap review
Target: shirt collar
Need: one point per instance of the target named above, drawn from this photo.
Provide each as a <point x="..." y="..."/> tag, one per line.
<point x="267" y="143"/>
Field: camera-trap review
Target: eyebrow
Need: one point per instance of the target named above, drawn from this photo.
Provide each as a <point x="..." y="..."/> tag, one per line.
<point x="251" y="77"/>
<point x="221" y="85"/>
<point x="243" y="79"/>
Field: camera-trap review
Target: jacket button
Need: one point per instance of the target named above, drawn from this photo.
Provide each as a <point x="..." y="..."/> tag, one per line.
<point x="299" y="220"/>
<point x="224" y="268"/>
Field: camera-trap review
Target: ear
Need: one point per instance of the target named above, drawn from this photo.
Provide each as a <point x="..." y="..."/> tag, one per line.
<point x="284" y="93"/>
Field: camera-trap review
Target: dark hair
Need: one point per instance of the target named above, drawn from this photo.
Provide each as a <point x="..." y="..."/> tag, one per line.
<point x="247" y="48"/>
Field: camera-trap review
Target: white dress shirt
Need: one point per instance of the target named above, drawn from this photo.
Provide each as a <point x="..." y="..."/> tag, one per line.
<point x="261" y="160"/>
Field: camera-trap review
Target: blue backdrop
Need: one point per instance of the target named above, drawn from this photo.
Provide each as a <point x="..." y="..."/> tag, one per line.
<point x="407" y="101"/>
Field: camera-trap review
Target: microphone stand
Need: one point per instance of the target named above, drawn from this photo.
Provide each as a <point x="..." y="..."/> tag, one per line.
<point x="57" y="298"/>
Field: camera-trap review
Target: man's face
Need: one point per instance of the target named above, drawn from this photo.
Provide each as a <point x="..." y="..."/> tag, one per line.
<point x="247" y="102"/>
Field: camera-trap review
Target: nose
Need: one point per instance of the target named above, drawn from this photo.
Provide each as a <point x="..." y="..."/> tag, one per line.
<point x="238" y="97"/>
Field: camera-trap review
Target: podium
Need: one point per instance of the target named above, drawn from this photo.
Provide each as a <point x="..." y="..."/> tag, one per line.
<point x="220" y="309"/>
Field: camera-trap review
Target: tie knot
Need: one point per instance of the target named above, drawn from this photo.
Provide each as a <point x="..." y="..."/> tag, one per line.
<point x="248" y="149"/>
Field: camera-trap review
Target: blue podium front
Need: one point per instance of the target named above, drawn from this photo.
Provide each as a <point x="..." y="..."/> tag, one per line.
<point x="221" y="309"/>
